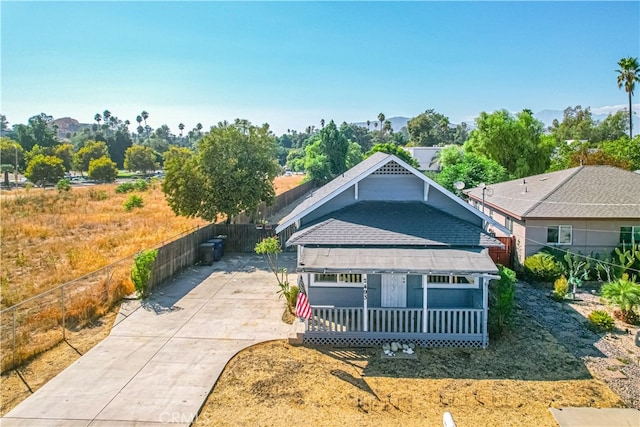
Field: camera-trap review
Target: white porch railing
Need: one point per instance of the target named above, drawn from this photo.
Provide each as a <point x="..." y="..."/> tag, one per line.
<point x="451" y="321"/>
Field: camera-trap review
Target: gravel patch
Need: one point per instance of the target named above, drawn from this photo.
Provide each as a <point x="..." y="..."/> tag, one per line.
<point x="613" y="358"/>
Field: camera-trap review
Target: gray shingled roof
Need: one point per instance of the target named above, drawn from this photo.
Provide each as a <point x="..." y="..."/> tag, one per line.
<point x="358" y="172"/>
<point x="385" y="260"/>
<point x="326" y="190"/>
<point x="376" y="223"/>
<point x="582" y="192"/>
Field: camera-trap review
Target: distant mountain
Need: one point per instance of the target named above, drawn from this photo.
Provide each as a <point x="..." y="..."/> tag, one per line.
<point x="67" y="125"/>
<point x="397" y="123"/>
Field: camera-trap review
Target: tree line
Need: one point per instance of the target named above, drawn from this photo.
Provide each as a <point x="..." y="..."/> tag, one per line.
<point x="230" y="167"/>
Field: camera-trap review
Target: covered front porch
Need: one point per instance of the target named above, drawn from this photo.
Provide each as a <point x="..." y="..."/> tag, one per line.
<point x="415" y="295"/>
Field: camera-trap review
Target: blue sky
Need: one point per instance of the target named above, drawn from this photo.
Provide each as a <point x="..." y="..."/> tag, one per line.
<point x="293" y="63"/>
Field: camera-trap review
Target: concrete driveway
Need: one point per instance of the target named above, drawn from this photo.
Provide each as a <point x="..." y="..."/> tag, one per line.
<point x="165" y="354"/>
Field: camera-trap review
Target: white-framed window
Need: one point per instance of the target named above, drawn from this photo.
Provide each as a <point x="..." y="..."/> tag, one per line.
<point x="559" y="234"/>
<point x="630" y="234"/>
<point x="337" y="279"/>
<point x="449" y="281"/>
<point x="508" y="222"/>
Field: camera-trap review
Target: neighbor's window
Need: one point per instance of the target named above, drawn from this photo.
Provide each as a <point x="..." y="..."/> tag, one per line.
<point x="630" y="235"/>
<point x="508" y="222"/>
<point x="559" y="234"/>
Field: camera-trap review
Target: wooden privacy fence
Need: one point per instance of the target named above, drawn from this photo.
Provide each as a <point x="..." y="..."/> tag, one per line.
<point x="281" y="201"/>
<point x="40" y="322"/>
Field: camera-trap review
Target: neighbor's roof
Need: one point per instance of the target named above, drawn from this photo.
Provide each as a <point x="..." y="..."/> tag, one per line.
<point x="376" y="223"/>
<point x="581" y="192"/>
<point x="359" y="172"/>
<point x="379" y="260"/>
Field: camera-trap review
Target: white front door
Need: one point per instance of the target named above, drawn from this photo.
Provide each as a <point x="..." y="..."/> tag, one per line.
<point x="394" y="290"/>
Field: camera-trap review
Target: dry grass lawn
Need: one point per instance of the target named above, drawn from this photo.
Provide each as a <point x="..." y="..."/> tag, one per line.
<point x="48" y="238"/>
<point x="513" y="383"/>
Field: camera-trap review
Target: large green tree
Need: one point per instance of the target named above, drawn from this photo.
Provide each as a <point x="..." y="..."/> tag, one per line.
<point x="628" y="75"/>
<point x="37" y="131"/>
<point x="516" y="143"/>
<point x="430" y="128"/>
<point x="92" y="150"/>
<point x="391" y="148"/>
<point x="470" y="168"/>
<point x="103" y="170"/>
<point x="335" y="146"/>
<point x="140" y="158"/>
<point x="43" y="170"/>
<point x="232" y="171"/>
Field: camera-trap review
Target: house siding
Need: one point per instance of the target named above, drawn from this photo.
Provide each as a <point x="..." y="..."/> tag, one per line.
<point x="352" y="296"/>
<point x="588" y="236"/>
<point x="391" y="187"/>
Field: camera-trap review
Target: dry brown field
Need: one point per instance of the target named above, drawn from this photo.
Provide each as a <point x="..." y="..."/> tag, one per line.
<point x="49" y="238"/>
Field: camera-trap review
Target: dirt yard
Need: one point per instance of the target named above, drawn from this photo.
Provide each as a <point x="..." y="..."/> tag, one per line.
<point x="512" y="383"/>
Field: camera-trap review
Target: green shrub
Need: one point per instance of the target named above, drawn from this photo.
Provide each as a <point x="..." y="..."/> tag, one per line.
<point x="141" y="271"/>
<point x="600" y="320"/>
<point x="133" y="201"/>
<point x="542" y="267"/>
<point x="125" y="187"/>
<point x="128" y="187"/>
<point x="292" y="297"/>
<point x="97" y="195"/>
<point x="560" y="288"/>
<point x="64" y="185"/>
<point x="501" y="301"/>
<point x="141" y="185"/>
<point x="625" y="295"/>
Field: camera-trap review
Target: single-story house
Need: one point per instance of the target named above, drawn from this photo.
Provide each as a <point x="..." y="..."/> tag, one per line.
<point x="586" y="209"/>
<point x="383" y="252"/>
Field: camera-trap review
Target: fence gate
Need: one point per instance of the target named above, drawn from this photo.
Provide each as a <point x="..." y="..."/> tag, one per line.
<point x="503" y="256"/>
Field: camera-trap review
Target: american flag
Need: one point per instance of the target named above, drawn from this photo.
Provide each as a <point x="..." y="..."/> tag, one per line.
<point x="303" y="308"/>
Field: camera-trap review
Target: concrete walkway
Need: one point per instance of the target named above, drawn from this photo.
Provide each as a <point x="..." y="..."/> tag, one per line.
<point x="163" y="356"/>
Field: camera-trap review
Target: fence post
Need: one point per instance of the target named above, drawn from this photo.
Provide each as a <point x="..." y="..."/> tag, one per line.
<point x="64" y="333"/>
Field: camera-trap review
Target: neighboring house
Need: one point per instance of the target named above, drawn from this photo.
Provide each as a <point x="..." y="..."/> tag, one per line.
<point x="587" y="209"/>
<point x="386" y="253"/>
<point x="428" y="157"/>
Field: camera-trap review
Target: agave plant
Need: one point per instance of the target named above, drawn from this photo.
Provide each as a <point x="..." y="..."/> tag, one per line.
<point x="624" y="294"/>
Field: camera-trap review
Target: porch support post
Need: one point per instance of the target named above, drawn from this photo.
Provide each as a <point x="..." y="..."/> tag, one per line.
<point x="306" y="289"/>
<point x="425" y="280"/>
<point x="365" y="310"/>
<point x="485" y="310"/>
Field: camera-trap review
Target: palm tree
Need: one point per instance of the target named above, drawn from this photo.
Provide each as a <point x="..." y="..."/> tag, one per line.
<point x="97" y="118"/>
<point x="625" y="294"/>
<point x="387" y="127"/>
<point x="628" y="75"/>
<point x="181" y="127"/>
<point x="145" y="116"/>
<point x="368" y="125"/>
<point x="381" y="119"/>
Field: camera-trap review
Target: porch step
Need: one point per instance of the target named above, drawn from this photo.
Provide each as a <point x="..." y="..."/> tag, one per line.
<point x="296" y="334"/>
